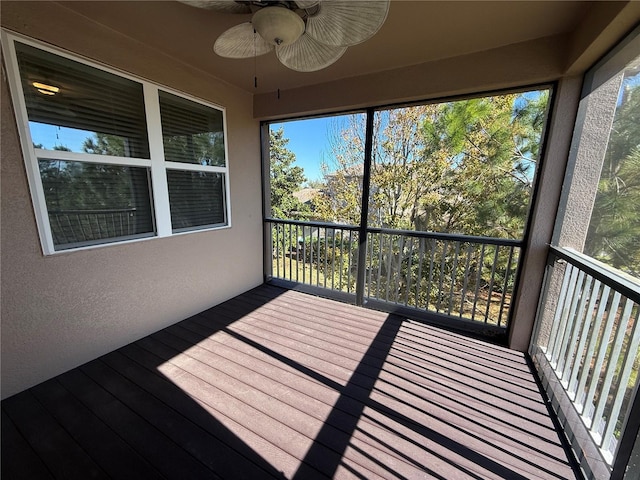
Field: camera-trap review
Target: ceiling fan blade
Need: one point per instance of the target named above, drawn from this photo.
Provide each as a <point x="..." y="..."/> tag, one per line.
<point x="346" y="23"/>
<point x="308" y="55"/>
<point x="241" y="41"/>
<point x="307" y="3"/>
<point x="221" y="6"/>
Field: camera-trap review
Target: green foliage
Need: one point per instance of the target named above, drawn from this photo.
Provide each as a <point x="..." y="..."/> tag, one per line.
<point x="459" y="167"/>
<point x="206" y="148"/>
<point x="104" y="144"/>
<point x="285" y="178"/>
<point x="90" y="186"/>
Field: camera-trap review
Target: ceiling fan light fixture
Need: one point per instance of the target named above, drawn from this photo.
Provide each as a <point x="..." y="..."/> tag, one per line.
<point x="45" y="88"/>
<point x="278" y="25"/>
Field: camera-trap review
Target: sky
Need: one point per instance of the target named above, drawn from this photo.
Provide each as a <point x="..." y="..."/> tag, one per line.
<point x="50" y="136"/>
<point x="309" y="140"/>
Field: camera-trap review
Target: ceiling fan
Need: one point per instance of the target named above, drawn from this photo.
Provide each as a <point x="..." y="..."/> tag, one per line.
<point x="307" y="35"/>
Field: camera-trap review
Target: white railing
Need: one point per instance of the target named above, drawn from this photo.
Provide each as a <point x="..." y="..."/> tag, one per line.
<point x="586" y="349"/>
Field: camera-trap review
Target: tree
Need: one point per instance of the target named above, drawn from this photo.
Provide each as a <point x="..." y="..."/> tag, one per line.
<point x="459" y="167"/>
<point x="285" y="178"/>
<point x="463" y="167"/>
<point x="105" y="144"/>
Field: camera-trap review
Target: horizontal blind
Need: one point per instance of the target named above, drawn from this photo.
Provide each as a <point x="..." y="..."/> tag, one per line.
<point x="106" y="111"/>
<point x="197" y="199"/>
<point x="191" y="133"/>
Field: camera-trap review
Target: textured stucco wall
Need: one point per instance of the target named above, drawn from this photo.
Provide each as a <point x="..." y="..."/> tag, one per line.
<point x="590" y="140"/>
<point x="543" y="212"/>
<point x="62" y="310"/>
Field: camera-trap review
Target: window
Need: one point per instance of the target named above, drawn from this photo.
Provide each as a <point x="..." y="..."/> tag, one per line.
<point x="111" y="158"/>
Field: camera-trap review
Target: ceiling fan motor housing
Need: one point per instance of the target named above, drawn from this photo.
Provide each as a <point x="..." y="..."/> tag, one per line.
<point x="278" y="25"/>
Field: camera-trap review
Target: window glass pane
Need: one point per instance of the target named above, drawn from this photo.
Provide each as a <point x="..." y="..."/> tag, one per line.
<point x="614" y="230"/>
<point x="197" y="199"/>
<point x="192" y="133"/>
<point x="316" y="168"/>
<point x="464" y="167"/>
<point x="78" y="108"/>
<point x="91" y="203"/>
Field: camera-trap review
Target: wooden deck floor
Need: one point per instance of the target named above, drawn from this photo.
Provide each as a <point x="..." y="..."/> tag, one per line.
<point x="279" y="384"/>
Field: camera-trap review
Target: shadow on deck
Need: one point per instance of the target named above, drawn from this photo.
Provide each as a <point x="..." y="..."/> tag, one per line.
<point x="280" y="384"/>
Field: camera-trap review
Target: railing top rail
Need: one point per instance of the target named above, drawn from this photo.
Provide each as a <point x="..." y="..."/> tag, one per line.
<point x="407" y="233"/>
<point x="305" y="223"/>
<point x="626" y="286"/>
<point x="449" y="236"/>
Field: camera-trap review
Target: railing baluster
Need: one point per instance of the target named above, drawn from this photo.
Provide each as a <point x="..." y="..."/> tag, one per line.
<point x="581" y="394"/>
<point x="389" y="267"/>
<point x="326" y="257"/>
<point x="341" y="259"/>
<point x="419" y="278"/>
<point x="275" y="267"/>
<point x="612" y="363"/>
<point x="84" y="235"/>
<point x="567" y="332"/>
<point x="349" y="262"/>
<point x="333" y="261"/>
<point x="297" y="250"/>
<point x="581" y="353"/>
<point x="121" y="225"/>
<point x="304" y="256"/>
<point x="625" y="374"/>
<point x="465" y="283"/>
<point x="113" y="225"/>
<point x="491" y="281"/>
<point x="318" y="258"/>
<point x="566" y="306"/>
<point x="369" y="263"/>
<point x="398" y="274"/>
<point x="505" y="287"/>
<point x="443" y="262"/>
<point x="454" y="272"/>
<point x="572" y="359"/>
<point x="562" y="297"/>
<point x="380" y="257"/>
<point x="310" y="251"/>
<point x="409" y="275"/>
<point x="73" y="233"/>
<point x="597" y="368"/>
<point x="479" y="267"/>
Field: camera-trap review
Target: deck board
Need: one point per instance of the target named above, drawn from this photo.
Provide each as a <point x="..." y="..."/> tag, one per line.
<point x="280" y="384"/>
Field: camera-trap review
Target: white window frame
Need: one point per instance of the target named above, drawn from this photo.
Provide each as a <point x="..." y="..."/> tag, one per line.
<point x="157" y="164"/>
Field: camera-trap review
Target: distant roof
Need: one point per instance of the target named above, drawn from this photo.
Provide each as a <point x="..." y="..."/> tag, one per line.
<point x="306" y="194"/>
